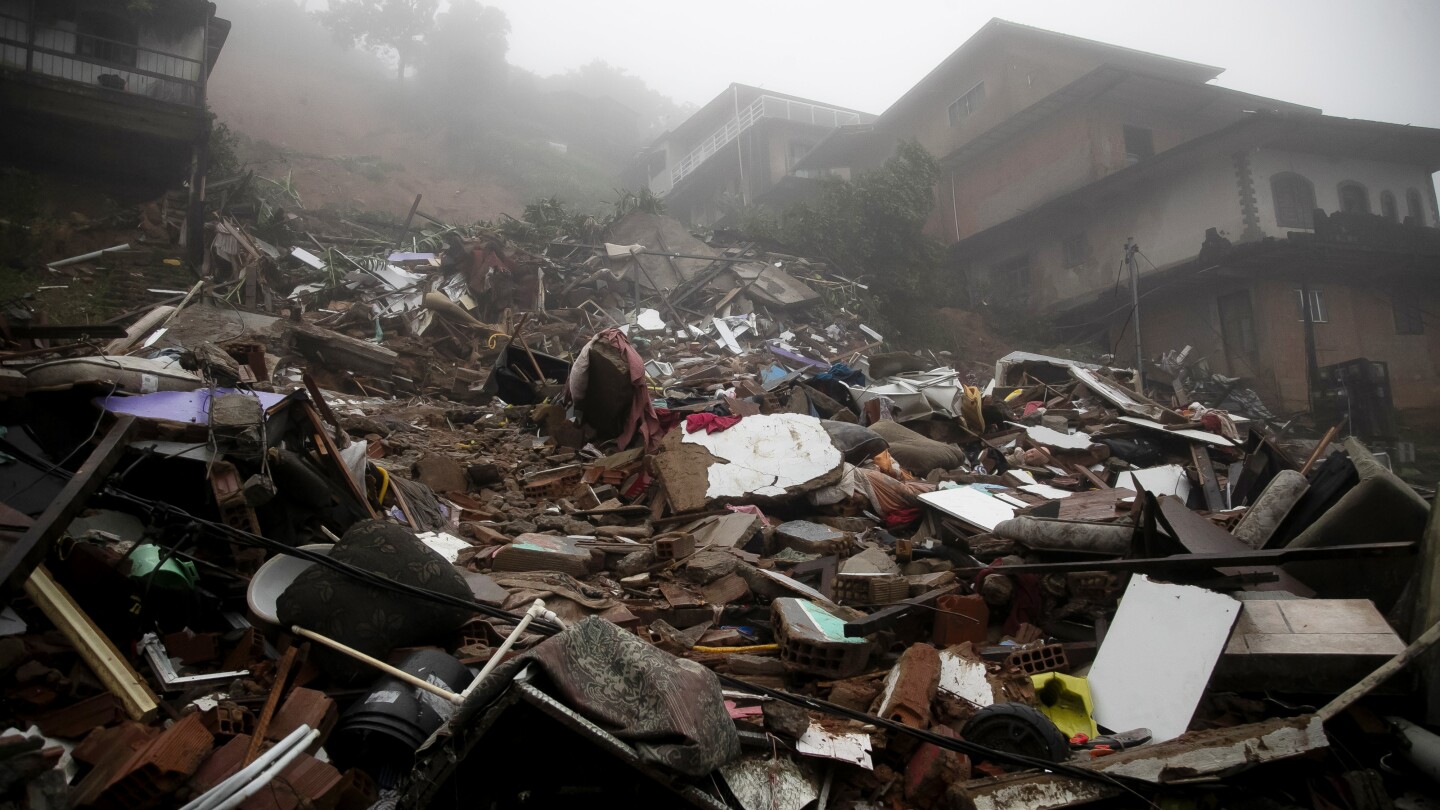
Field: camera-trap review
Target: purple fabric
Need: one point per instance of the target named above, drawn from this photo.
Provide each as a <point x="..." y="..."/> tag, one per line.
<point x="192" y="407"/>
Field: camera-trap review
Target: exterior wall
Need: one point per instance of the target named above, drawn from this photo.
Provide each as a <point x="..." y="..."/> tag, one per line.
<point x="1167" y="219"/>
<point x="1360" y="323"/>
<point x="1014" y="79"/>
<point x="1326" y="173"/>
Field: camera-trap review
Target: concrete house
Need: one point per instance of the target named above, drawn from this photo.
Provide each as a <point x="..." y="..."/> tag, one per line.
<point x="1055" y="150"/>
<point x="744" y="147"/>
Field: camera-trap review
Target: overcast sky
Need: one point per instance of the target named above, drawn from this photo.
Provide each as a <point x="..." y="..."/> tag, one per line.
<point x="1377" y="59"/>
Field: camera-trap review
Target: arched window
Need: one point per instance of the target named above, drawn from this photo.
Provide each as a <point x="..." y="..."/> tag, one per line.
<point x="1354" y="199"/>
<point x="1388" y="207"/>
<point x="1294" y="200"/>
<point x="1413" y="207"/>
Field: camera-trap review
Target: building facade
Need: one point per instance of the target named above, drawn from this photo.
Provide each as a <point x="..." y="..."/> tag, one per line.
<point x="1054" y="151"/>
<point x="743" y="147"/>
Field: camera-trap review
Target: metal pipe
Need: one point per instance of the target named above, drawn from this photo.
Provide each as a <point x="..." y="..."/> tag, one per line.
<point x="536" y="608"/>
<point x="213" y="796"/>
<point x="87" y="256"/>
<point x="265" y="777"/>
<point x="1130" y="250"/>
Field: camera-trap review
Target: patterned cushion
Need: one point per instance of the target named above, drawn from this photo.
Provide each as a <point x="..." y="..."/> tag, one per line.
<point x="371" y="619"/>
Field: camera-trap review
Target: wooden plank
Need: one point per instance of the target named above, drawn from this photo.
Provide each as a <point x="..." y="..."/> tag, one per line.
<point x="1214" y="499"/>
<point x="95" y="648"/>
<point x="329" y="448"/>
<point x="677" y="596"/>
<point x="31" y="548"/>
<point x="1096" y="505"/>
<point x="282" y="674"/>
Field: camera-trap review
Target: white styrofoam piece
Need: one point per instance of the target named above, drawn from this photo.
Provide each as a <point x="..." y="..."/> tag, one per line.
<point x="1023" y="476"/>
<point x="307" y="257"/>
<point x="650" y="320"/>
<point x="1193" y="435"/>
<point x="965" y="679"/>
<point x="727" y="338"/>
<point x="1153" y="666"/>
<point x="970" y="505"/>
<point x="1046" y="491"/>
<point x="1169" y="479"/>
<point x="446" y="545"/>
<point x="763" y="455"/>
<point x="1054" y="438"/>
<point x="853" y="748"/>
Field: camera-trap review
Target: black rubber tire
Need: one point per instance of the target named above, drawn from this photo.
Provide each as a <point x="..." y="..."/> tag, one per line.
<point x="1017" y="729"/>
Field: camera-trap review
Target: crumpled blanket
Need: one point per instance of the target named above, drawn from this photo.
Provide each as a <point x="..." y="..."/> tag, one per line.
<point x="670" y="709"/>
<point x="643" y="419"/>
<point x="709" y="422"/>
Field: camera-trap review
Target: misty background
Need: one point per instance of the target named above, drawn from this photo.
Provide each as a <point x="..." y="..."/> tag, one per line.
<point x="511" y="100"/>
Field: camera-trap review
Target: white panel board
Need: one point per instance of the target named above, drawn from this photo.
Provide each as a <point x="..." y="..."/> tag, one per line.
<point x="970" y="505"/>
<point x="1156" y="659"/>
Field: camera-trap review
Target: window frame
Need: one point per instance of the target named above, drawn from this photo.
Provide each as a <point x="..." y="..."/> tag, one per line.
<point x="1389" y="206"/>
<point x="966" y="104"/>
<point x="1415" y="206"/>
<point x="1237" y="325"/>
<point x="1400" y="308"/>
<point x="1299" y="186"/>
<point x="1318" y="313"/>
<point x="1343" y="186"/>
<point x="1149" y="138"/>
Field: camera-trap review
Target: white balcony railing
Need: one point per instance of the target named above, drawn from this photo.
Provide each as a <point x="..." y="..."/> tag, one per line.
<point x="762" y="107"/>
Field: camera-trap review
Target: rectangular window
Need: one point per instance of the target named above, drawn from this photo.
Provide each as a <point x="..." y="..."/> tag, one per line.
<point x="1317" y="306"/>
<point x="1408" y="318"/>
<point x="1139" y="143"/>
<point x="1237" y="325"/>
<point x="966" y="104"/>
<point x="1075" y="249"/>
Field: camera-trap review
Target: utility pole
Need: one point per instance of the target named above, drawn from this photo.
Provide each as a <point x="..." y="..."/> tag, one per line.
<point x="1130" y="250"/>
<point x="1312" y="364"/>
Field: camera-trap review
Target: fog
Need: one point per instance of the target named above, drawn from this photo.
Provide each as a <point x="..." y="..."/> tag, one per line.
<point x="605" y="78"/>
<point x="1372" y="60"/>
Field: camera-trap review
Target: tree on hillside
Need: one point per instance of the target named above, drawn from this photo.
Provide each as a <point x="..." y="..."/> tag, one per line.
<point x="599" y="79"/>
<point x="400" y="26"/>
<point x="464" y="56"/>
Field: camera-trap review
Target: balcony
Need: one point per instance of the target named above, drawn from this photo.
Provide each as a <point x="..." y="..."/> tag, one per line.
<point x="126" y="67"/>
<point x="761" y="108"/>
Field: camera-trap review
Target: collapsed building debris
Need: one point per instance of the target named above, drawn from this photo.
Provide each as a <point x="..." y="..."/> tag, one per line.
<point x="341" y="524"/>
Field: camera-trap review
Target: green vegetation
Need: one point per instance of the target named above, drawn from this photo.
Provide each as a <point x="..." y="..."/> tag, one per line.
<point x="872" y="225"/>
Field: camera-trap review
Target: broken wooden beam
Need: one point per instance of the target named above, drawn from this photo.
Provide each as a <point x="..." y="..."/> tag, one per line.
<point x="94" y="647"/>
<point x="31" y="548"/>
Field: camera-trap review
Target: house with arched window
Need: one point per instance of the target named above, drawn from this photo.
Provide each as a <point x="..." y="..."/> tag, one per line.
<point x="1054" y="150"/>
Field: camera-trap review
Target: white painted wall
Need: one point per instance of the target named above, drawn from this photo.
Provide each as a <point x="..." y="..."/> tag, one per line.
<point x="1328" y="172"/>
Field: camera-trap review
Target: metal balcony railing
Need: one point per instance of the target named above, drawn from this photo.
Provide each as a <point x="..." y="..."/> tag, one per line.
<point x="762" y="107"/>
<point x="94" y="60"/>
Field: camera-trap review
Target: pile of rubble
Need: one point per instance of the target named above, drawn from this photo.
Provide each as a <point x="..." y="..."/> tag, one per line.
<point x="345" y="528"/>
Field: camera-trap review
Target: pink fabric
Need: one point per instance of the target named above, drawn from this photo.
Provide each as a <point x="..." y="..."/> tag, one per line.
<point x="643" y="419"/>
<point x="709" y="422"/>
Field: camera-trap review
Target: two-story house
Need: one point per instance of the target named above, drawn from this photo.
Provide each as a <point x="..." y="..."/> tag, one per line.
<point x="1055" y="150"/>
<point x="741" y="148"/>
<point x="109" y="91"/>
